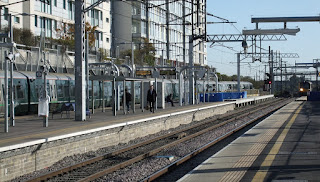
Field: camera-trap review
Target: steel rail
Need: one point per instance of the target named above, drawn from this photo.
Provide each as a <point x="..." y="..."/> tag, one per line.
<point x="157" y="150"/>
<point x="173" y="165"/>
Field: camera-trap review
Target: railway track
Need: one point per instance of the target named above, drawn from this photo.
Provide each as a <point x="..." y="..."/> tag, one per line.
<point x="98" y="167"/>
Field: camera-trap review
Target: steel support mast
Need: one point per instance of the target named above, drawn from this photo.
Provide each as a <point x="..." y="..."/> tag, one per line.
<point x="80" y="78"/>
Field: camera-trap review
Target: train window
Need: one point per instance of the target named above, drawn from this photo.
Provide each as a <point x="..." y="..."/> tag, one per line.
<point x="72" y="90"/>
<point x="37" y="91"/>
<point x="51" y="93"/>
<point x="48" y="89"/>
<point x="66" y="90"/>
<point x="20" y="92"/>
<point x="55" y="91"/>
<point x="60" y="91"/>
<point x="3" y="91"/>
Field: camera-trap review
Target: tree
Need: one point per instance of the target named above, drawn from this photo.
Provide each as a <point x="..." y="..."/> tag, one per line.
<point x="145" y="55"/>
<point x="103" y="55"/>
<point x="66" y="33"/>
<point x="23" y="36"/>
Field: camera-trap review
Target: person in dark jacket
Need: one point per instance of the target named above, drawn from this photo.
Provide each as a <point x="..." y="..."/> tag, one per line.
<point x="128" y="100"/>
<point x="151" y="98"/>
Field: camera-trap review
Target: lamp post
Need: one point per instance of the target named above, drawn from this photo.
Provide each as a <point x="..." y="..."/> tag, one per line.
<point x="11" y="74"/>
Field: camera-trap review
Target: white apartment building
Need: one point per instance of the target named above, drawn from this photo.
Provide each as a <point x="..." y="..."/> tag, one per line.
<point x="41" y="17"/>
<point x="133" y="21"/>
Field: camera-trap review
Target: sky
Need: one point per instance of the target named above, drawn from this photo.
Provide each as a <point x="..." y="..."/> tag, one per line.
<point x="223" y="55"/>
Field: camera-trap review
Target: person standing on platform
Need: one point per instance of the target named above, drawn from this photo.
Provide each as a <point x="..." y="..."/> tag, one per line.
<point x="128" y="99"/>
<point x="151" y="98"/>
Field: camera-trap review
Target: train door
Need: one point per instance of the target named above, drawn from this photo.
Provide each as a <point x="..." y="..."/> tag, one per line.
<point x="20" y="90"/>
<point x="50" y="91"/>
<point x="60" y="90"/>
<point x="53" y="89"/>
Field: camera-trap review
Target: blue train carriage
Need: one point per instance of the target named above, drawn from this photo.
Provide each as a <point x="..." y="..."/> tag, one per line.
<point x="304" y="88"/>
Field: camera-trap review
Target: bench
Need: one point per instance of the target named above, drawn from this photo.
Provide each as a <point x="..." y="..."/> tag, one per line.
<point x="54" y="109"/>
<point x="66" y="108"/>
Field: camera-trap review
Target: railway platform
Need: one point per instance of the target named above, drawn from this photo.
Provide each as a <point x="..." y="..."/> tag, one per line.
<point x="28" y="129"/>
<point x="283" y="147"/>
<point x="29" y="146"/>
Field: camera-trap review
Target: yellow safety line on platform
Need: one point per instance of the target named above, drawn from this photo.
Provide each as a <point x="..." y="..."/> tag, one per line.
<point x="264" y="168"/>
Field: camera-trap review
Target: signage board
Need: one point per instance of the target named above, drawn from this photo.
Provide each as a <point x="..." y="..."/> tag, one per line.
<point x="167" y="72"/>
<point x="143" y="72"/>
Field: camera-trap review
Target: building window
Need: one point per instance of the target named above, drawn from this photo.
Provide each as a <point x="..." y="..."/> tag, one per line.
<point x="71" y="10"/>
<point x="17" y="19"/>
<point x="64" y="4"/>
<point x="46" y="8"/>
<point x="6" y="11"/>
<point x="36" y="21"/>
<point x="55" y="3"/>
<point x="143" y="27"/>
<point x="107" y="20"/>
<point x="107" y="39"/>
<point x="55" y="25"/>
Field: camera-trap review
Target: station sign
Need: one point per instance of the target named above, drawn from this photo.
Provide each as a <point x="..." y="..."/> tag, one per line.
<point x="143" y="72"/>
<point x="167" y="72"/>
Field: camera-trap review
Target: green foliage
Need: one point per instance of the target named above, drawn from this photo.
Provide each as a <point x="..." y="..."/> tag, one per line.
<point x="23" y="36"/>
<point x="66" y="34"/>
<point x="119" y="61"/>
<point x="256" y="84"/>
<point x="103" y="54"/>
<point x="145" y="55"/>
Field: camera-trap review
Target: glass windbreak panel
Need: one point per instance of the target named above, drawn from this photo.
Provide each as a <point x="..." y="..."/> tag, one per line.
<point x="96" y="89"/>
